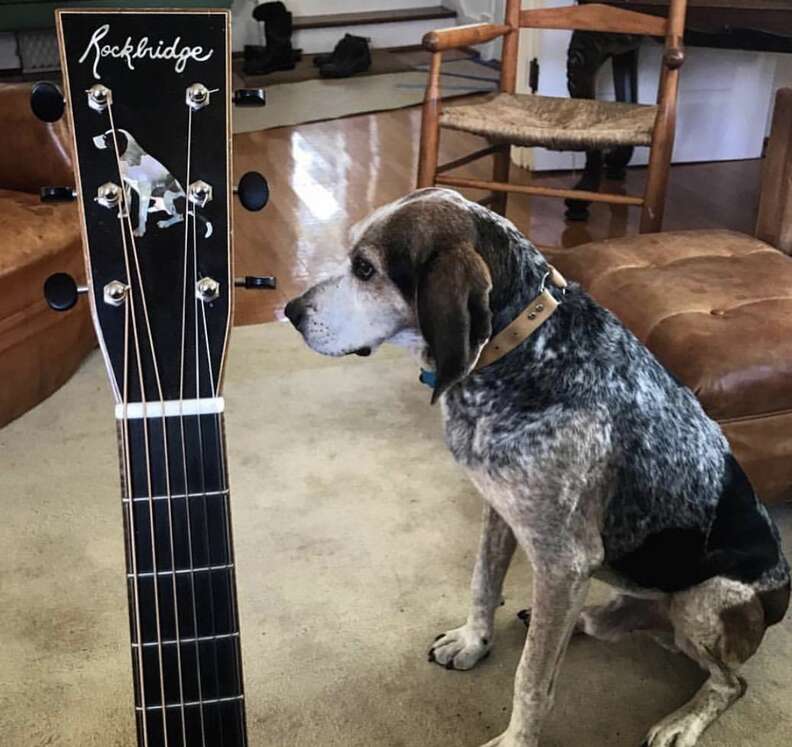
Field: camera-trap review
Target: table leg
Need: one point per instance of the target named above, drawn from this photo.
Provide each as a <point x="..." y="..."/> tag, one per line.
<point x="586" y="54"/>
<point x="625" y="82"/>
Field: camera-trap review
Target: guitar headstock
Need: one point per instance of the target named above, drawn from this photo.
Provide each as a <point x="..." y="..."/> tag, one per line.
<point x="148" y="95"/>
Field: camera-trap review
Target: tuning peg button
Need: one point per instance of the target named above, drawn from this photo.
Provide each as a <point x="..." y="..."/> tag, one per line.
<point x="61" y="291"/>
<point x="250" y="97"/>
<point x="57" y="194"/>
<point x="253" y="191"/>
<point x="257" y="282"/>
<point x="47" y="102"/>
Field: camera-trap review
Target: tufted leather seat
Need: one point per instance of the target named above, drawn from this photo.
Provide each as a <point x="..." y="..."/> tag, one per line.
<point x="716" y="308"/>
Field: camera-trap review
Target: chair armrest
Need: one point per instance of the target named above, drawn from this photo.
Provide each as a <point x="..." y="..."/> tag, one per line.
<point x="463" y="36"/>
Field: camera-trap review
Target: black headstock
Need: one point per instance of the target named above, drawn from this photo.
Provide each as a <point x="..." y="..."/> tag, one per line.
<point x="149" y="98"/>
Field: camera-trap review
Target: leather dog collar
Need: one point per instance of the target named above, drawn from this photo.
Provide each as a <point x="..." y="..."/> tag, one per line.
<point x="529" y="320"/>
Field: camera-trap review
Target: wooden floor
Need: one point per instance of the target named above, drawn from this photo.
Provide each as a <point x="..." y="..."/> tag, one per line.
<point x="326" y="176"/>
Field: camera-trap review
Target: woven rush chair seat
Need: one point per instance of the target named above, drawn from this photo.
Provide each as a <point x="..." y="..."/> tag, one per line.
<point x="554" y="123"/>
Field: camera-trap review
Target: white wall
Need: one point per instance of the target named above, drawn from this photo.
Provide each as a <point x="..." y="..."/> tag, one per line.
<point x="724" y="97"/>
<point x="325" y="7"/>
<point x="246" y="30"/>
<point x="480" y="11"/>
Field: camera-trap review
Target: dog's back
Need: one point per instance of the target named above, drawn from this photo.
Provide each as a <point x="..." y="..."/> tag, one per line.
<point x="680" y="509"/>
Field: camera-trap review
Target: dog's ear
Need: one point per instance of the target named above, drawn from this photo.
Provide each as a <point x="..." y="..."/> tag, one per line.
<point x="453" y="311"/>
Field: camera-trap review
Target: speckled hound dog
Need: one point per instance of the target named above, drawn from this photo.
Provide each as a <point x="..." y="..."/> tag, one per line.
<point x="588" y="453"/>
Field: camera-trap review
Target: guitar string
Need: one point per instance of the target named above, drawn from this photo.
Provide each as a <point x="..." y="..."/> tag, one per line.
<point x="227" y="525"/>
<point x="212" y="615"/>
<point x="182" y="371"/>
<point x="147" y="447"/>
<point x="131" y="517"/>
<point x="132" y="315"/>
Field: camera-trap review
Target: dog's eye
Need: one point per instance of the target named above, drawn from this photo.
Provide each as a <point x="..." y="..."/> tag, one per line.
<point x="362" y="268"/>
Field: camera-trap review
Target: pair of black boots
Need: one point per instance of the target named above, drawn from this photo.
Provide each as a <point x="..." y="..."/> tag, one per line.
<point x="351" y="55"/>
<point x="278" y="53"/>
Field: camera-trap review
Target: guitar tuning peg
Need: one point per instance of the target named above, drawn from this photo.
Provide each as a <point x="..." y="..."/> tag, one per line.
<point x="57" y="194"/>
<point x="61" y="291"/>
<point x="253" y="191"/>
<point x="47" y="102"/>
<point x="257" y="282"/>
<point x="250" y="97"/>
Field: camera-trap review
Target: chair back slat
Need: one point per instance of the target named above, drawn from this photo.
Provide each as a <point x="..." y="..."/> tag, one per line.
<point x="594" y="17"/>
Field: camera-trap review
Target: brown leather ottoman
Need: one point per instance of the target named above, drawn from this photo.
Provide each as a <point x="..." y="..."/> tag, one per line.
<point x="39" y="348"/>
<point x="716" y="308"/>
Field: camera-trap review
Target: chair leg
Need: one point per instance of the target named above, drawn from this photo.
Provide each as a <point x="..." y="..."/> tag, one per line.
<point x="500" y="173"/>
<point x="590" y="180"/>
<point x="656" y="185"/>
<point x="430" y="127"/>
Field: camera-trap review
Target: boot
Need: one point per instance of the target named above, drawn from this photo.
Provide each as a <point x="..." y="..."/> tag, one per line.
<point x="323" y="59"/>
<point x="350" y="56"/>
<point x="262" y="13"/>
<point x="278" y="53"/>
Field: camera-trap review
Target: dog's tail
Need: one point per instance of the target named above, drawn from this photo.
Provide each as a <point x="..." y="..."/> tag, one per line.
<point x="208" y="228"/>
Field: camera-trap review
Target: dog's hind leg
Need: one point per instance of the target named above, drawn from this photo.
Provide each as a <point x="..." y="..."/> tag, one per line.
<point x="462" y="647"/>
<point x="719" y="624"/>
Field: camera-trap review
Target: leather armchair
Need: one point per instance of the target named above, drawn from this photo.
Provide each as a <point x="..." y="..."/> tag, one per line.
<point x="39" y="348"/>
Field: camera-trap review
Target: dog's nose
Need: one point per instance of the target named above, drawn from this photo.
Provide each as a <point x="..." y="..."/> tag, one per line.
<point x="295" y="312"/>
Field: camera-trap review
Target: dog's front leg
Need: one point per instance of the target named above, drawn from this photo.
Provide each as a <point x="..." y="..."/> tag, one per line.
<point x="144" y="197"/>
<point x="462" y="647"/>
<point x="559" y="592"/>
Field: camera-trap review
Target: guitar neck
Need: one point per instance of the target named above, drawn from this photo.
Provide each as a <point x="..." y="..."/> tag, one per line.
<point x="181" y="580"/>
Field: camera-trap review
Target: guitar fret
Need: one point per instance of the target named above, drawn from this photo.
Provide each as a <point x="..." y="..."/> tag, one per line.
<point x="178" y="571"/>
<point x="176" y="496"/>
<point x="193" y="703"/>
<point x="201" y="639"/>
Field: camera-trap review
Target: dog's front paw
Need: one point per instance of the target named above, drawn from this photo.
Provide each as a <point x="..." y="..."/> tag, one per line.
<point x="677" y="732"/>
<point x="461" y="648"/>
<point x="138" y="232"/>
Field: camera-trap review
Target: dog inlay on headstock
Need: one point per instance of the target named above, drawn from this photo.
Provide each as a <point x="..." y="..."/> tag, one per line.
<point x="149" y="100"/>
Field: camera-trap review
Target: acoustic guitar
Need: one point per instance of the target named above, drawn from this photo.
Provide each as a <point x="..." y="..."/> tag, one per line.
<point x="148" y="96"/>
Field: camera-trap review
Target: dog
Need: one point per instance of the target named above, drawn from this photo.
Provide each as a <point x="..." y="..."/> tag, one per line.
<point x="588" y="453"/>
<point x="156" y="188"/>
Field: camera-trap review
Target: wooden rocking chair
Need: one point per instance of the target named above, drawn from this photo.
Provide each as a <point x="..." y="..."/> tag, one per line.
<point x="558" y="123"/>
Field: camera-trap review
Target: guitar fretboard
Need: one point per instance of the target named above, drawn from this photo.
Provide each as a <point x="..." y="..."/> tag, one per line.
<point x="181" y="583"/>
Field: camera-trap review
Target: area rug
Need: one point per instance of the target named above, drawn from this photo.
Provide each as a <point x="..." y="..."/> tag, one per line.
<point x="318" y="99"/>
<point x="355" y="537"/>
<point x="382" y="61"/>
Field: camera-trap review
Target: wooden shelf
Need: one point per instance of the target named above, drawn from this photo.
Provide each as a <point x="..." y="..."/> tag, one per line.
<point x="301" y="23"/>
